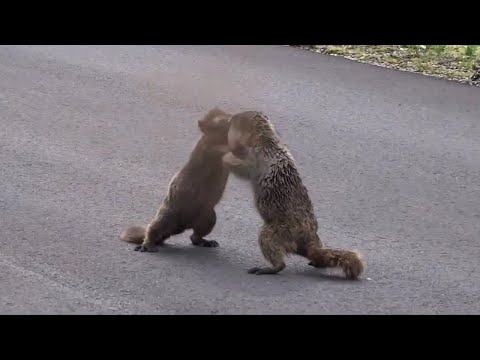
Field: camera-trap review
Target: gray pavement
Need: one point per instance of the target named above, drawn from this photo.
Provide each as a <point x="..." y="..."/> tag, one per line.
<point x="91" y="135"/>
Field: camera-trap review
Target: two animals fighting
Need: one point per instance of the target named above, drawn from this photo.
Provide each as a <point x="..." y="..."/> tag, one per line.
<point x="246" y="145"/>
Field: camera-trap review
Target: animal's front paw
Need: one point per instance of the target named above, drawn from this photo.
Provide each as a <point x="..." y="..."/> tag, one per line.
<point x="229" y="158"/>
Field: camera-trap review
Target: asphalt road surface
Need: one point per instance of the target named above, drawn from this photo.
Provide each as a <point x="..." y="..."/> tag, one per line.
<point x="91" y="135"/>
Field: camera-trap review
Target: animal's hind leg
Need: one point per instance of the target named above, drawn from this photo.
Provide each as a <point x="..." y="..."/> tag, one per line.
<point x="159" y="230"/>
<point x="203" y="226"/>
<point x="272" y="250"/>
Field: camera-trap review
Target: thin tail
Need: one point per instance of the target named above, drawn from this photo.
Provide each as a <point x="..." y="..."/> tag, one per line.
<point x="351" y="262"/>
<point x="134" y="234"/>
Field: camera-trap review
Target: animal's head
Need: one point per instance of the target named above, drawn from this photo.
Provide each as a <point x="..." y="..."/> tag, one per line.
<point x="215" y="125"/>
<point x="249" y="129"/>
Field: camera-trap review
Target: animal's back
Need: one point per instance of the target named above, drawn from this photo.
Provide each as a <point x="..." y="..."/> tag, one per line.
<point x="281" y="194"/>
<point x="201" y="182"/>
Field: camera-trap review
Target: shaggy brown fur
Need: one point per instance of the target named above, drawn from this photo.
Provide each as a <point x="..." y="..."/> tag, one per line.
<point x="193" y="192"/>
<point x="290" y="225"/>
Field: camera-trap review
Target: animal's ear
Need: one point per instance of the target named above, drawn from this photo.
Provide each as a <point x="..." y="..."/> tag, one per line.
<point x="202" y="126"/>
<point x="214" y="122"/>
<point x="206" y="125"/>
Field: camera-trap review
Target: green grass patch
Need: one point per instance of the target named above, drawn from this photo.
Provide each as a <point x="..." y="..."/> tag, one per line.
<point x="457" y="62"/>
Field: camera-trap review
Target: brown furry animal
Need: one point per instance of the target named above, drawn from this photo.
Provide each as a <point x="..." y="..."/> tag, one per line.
<point x="290" y="225"/>
<point x="193" y="192"/>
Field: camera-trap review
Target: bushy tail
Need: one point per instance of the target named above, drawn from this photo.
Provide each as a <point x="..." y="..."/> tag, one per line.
<point x="133" y="234"/>
<point x="351" y="262"/>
